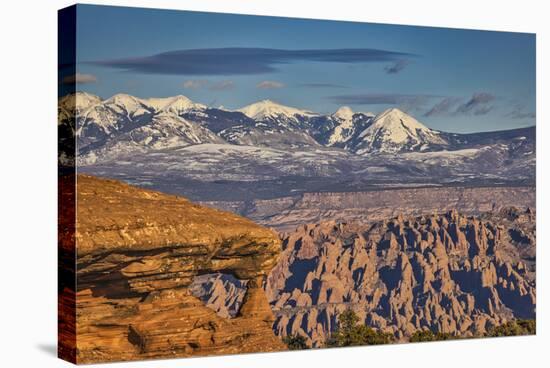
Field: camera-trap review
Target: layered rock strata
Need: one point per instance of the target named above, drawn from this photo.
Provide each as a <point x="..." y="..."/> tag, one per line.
<point x="138" y="252"/>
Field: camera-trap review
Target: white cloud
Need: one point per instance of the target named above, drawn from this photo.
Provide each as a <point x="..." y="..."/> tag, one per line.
<point x="270" y="85"/>
<point x="79" y="78"/>
<point x="194" y="84"/>
<point x="223" y="85"/>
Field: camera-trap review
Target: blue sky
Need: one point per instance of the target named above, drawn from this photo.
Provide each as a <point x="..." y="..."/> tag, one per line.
<point x="452" y="80"/>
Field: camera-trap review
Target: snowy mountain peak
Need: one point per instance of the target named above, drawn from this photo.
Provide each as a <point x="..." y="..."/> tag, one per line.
<point x="270" y="109"/>
<point x="348" y="125"/>
<point x="122" y="99"/>
<point x="177" y="104"/>
<point x="160" y="103"/>
<point x="394" y="130"/>
<point x="397" y="119"/>
<point x="78" y="101"/>
<point x="131" y="105"/>
<point x="344" y="113"/>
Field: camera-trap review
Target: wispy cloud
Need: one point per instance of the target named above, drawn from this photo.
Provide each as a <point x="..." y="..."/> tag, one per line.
<point x="269" y="85"/>
<point x="242" y="61"/>
<point x="397" y="66"/>
<point x="322" y="85"/>
<point x="79" y="78"/>
<point x="224" y="85"/>
<point x="519" y="113"/>
<point x="380" y="99"/>
<point x="483" y="110"/>
<point x="443" y="107"/>
<point x="478" y="104"/>
<point x="195" y="84"/>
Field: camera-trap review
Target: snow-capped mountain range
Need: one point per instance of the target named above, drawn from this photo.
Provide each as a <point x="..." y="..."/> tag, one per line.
<point x="175" y="139"/>
<point x="177" y="121"/>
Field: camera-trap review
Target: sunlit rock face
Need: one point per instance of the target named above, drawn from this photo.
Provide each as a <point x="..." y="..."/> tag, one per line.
<point x="138" y="254"/>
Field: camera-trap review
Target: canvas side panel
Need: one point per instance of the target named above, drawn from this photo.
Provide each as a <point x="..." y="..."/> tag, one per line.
<point x="66" y="185"/>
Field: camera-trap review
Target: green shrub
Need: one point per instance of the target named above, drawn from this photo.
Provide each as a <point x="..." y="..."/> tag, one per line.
<point x="427" y="335"/>
<point x="295" y="342"/>
<point x="351" y="333"/>
<point x="514" y="328"/>
<point x="511" y="328"/>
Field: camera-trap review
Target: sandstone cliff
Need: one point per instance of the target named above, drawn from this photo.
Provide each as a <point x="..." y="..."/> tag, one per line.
<point x="447" y="273"/>
<point x="138" y="253"/>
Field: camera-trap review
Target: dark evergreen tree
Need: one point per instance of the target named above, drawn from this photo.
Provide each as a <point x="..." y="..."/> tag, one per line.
<point x="350" y="333"/>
